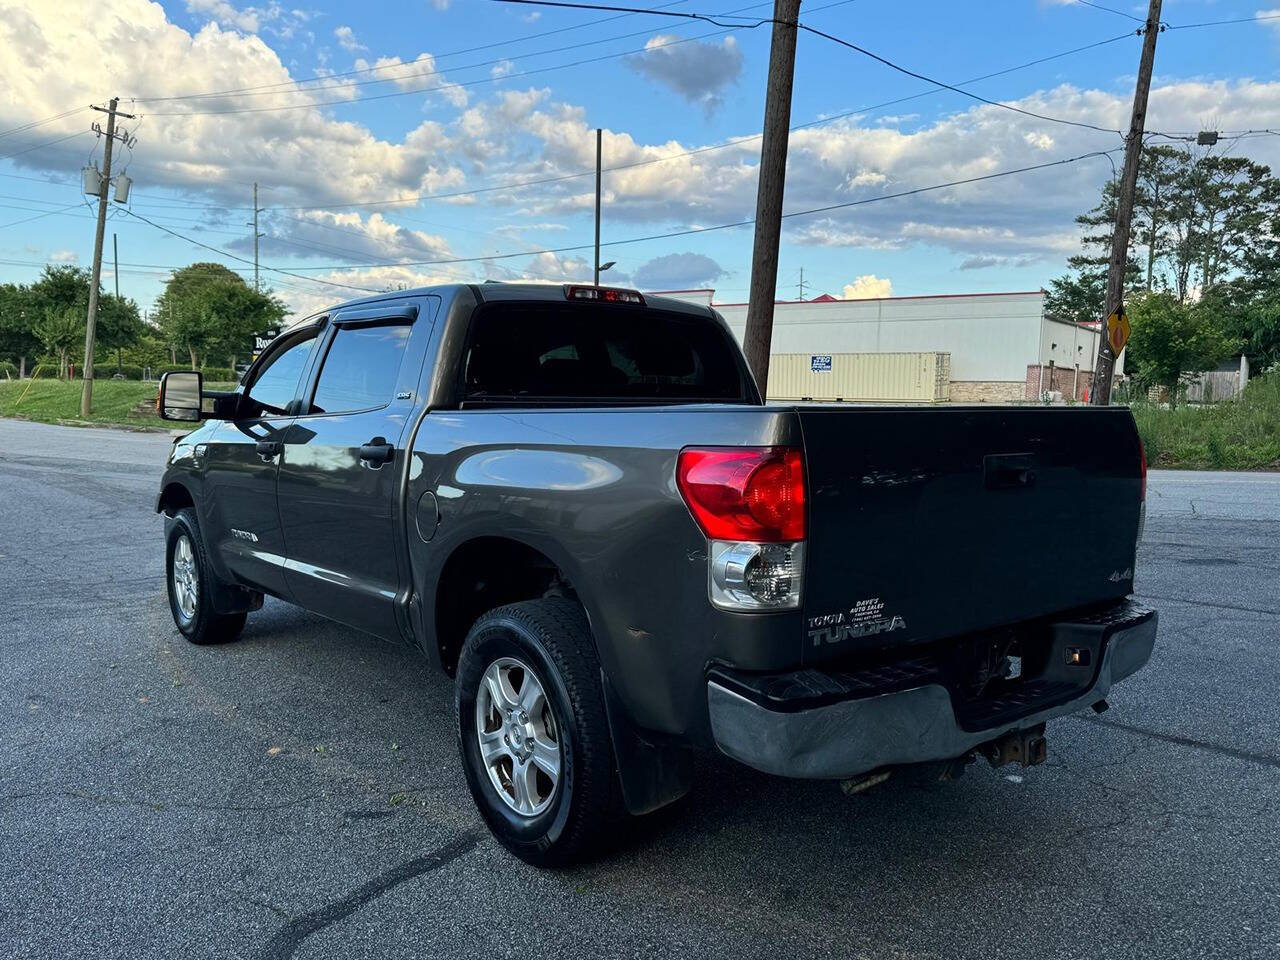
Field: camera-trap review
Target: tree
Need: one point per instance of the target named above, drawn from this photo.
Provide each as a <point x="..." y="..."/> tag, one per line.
<point x="61" y="287"/>
<point x="118" y="326"/>
<point x="207" y="308"/>
<point x="1080" y="296"/>
<point x="59" y="330"/>
<point x="18" y="315"/>
<point x="1158" y="172"/>
<point x="1249" y="315"/>
<point x="1171" y="339"/>
<point x="1210" y="226"/>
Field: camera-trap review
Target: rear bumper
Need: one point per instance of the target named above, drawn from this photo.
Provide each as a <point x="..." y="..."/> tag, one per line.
<point x="821" y="725"/>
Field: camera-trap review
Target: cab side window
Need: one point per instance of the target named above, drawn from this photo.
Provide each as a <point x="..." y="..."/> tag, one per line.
<point x="276" y="384"/>
<point x="361" y="368"/>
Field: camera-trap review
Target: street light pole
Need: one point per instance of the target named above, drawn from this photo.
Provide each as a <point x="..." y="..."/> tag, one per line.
<point x="596" y="260"/>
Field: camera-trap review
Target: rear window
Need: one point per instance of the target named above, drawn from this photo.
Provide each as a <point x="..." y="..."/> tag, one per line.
<point x="590" y="352"/>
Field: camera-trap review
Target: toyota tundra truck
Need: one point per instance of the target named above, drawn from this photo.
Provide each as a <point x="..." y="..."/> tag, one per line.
<point x="574" y="502"/>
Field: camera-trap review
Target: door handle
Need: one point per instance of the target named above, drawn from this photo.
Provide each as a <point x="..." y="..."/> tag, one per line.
<point x="376" y="452"/>
<point x="268" y="450"/>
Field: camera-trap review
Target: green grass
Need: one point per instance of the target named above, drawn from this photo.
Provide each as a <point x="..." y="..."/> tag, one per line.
<point x="1243" y="434"/>
<point x="114" y="401"/>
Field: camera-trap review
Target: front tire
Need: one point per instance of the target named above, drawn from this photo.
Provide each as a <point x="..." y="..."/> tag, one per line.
<point x="189" y="578"/>
<point x="533" y="733"/>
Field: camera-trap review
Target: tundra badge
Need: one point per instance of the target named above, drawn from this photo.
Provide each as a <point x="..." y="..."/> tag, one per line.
<point x="866" y="618"/>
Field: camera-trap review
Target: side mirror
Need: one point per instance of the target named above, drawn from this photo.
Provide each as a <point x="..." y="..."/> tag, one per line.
<point x="180" y="396"/>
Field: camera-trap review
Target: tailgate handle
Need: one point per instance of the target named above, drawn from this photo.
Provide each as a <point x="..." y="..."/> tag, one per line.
<point x="1009" y="471"/>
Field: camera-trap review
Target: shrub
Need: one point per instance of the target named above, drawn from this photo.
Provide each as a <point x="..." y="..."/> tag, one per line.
<point x="1240" y="434"/>
<point x="211" y="374"/>
<point x="108" y="371"/>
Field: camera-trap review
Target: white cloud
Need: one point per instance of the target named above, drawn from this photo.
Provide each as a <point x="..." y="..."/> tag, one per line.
<point x="868" y="287"/>
<point x="699" y="72"/>
<point x="420" y="73"/>
<point x="64" y="256"/>
<point x="245" y="19"/>
<point x="440" y="4"/>
<point x="502" y="68"/>
<point x="337" y="235"/>
<point x="302" y="156"/>
<point x="347" y="39"/>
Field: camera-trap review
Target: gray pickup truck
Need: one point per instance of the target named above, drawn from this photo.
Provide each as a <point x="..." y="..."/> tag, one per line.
<point x="573" y="500"/>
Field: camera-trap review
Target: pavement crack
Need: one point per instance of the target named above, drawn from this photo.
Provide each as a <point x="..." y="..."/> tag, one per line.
<point x="159" y="805"/>
<point x="289" y="937"/>
<point x="1264" y="759"/>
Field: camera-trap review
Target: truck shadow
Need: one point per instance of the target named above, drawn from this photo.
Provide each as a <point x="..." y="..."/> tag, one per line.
<point x="797" y="850"/>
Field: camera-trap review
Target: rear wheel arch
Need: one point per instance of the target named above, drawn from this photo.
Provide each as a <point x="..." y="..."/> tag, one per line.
<point x="486" y="572"/>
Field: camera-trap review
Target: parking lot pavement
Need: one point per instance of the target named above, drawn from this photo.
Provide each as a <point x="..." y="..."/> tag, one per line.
<point x="298" y="793"/>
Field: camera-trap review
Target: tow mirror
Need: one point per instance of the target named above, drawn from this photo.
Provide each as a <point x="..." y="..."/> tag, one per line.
<point x="180" y="396"/>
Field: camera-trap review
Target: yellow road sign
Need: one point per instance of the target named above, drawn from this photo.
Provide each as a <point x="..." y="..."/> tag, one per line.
<point x="1118" y="331"/>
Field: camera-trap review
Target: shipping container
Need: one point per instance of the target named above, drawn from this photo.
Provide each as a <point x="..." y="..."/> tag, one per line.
<point x="860" y="377"/>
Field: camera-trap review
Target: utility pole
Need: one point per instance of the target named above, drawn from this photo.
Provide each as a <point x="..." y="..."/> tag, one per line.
<point x="1104" y="366"/>
<point x="115" y="258"/>
<point x="596" y="261"/>
<point x="773" y="170"/>
<point x="801" y="284"/>
<point x="256" y="235"/>
<point x="86" y="393"/>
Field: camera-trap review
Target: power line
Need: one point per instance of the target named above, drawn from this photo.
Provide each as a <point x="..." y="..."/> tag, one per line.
<point x="174" y="233"/>
<point x="709" y="18"/>
<point x="47" y="143"/>
<point x="920" y="76"/>
<point x="1118" y="13"/>
<point x="40" y="123"/>
<point x="1218" y="23"/>
<point x="726" y="226"/>
<point x="47" y="213"/>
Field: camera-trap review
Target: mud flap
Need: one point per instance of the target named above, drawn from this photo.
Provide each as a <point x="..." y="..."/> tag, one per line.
<point x="653" y="771"/>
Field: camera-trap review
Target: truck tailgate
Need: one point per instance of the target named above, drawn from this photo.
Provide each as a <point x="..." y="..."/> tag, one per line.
<point x="927" y="523"/>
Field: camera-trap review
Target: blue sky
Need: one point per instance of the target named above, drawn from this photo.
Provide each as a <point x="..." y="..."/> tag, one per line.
<point x="340" y="105"/>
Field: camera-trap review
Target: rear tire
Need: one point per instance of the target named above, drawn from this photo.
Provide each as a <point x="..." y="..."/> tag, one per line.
<point x="529" y="699"/>
<point x="189" y="576"/>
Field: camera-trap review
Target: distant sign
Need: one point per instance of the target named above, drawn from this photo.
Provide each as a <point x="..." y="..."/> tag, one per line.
<point x="820" y="363"/>
<point x="1118" y="331"/>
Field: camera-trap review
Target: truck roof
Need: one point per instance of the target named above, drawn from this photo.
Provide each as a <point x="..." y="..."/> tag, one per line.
<point x="499" y="292"/>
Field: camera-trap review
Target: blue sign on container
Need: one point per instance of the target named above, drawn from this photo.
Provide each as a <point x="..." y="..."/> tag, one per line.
<point x="820" y="364"/>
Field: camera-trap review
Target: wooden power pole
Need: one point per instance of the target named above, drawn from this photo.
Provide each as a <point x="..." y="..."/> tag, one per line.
<point x="773" y="172"/>
<point x="1104" y="365"/>
<point x="86" y="392"/>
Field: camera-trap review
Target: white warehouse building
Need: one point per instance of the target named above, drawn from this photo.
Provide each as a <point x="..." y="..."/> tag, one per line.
<point x="978" y="348"/>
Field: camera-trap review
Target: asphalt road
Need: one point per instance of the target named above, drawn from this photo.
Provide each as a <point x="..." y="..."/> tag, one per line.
<point x="298" y="793"/>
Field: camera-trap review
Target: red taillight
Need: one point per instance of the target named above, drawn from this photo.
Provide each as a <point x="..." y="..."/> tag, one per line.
<point x="1142" y="454"/>
<point x="752" y="493"/>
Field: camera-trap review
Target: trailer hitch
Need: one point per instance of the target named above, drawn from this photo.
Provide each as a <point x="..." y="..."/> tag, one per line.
<point x="1027" y="747"/>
